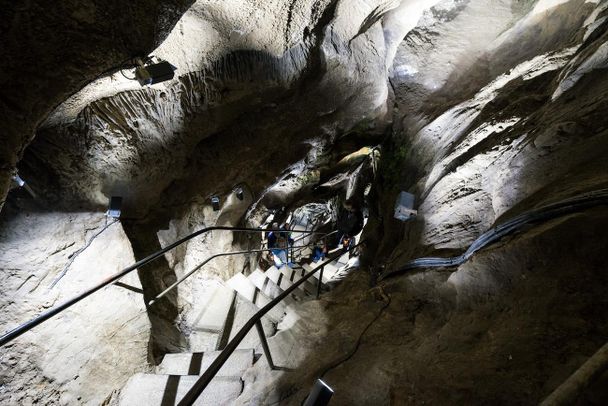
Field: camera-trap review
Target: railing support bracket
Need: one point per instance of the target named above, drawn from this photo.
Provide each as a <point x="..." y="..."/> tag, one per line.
<point x="260" y="328"/>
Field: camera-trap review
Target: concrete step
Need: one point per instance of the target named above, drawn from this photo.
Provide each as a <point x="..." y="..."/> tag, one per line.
<point x="166" y="390"/>
<point x="245" y="287"/>
<point x="208" y="324"/>
<point x="265" y="284"/>
<point x="215" y="309"/>
<point x="273" y="274"/>
<point x="278" y="278"/>
<point x="331" y="269"/>
<point x="265" y="281"/>
<point x="196" y="363"/>
<point x="343" y="260"/>
<point x="285" y="282"/>
<point x="294" y="275"/>
<point x="328" y="271"/>
<point x="243" y="312"/>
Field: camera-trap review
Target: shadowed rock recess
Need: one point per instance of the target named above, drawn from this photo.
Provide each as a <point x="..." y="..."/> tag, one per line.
<point x="300" y="110"/>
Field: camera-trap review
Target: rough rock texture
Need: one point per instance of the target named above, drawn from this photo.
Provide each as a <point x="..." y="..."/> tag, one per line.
<point x="51" y="51"/>
<point x="508" y="139"/>
<point x="238" y="91"/>
<point x="505" y="328"/>
<point x="483" y="109"/>
<point x="82" y="355"/>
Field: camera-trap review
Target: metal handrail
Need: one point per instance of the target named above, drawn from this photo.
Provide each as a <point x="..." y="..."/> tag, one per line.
<point x="199" y="266"/>
<point x="19" y="330"/>
<point x="300" y="249"/>
<point x="200" y="385"/>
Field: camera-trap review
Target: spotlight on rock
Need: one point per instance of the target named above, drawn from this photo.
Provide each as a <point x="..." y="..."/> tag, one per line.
<point x="320" y="394"/>
<point x="215" y="202"/>
<point x="115" y="207"/>
<point x="153" y="73"/>
<point x="239" y="193"/>
<point x="17" y="182"/>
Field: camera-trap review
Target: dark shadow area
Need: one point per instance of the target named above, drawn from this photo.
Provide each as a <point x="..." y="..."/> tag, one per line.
<point x="165" y="337"/>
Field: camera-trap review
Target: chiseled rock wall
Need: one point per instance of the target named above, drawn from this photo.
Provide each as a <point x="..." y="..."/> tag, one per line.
<point x="51" y="50"/>
<point x="499" y="107"/>
<point x="492" y="123"/>
<point x="89" y="350"/>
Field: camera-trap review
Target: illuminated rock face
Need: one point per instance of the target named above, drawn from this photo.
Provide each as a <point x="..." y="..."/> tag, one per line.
<point x="482" y="109"/>
<point x="484" y="122"/>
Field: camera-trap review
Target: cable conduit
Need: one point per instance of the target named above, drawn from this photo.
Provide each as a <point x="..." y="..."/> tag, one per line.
<point x="548" y="212"/>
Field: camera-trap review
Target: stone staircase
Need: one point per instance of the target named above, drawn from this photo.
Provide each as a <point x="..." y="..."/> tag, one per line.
<point x="211" y="328"/>
<point x="177" y="374"/>
<point x="261" y="287"/>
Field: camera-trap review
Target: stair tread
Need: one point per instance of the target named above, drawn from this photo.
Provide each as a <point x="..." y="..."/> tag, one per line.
<point x="328" y="271"/>
<point x="163" y="390"/>
<point x="215" y="311"/>
<point x="265" y="284"/>
<point x="196" y="363"/>
<point x="245" y="287"/>
<point x="294" y="275"/>
<point x="344" y="258"/>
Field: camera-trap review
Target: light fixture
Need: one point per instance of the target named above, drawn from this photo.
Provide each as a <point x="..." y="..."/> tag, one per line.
<point x="320" y="394"/>
<point x="404" y="207"/>
<point x="153" y="73"/>
<point x="215" y="202"/>
<point x="115" y="207"/>
<point x="239" y="193"/>
<point x="17" y="182"/>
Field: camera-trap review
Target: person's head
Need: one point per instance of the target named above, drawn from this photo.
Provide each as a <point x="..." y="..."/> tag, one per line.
<point x="275" y="226"/>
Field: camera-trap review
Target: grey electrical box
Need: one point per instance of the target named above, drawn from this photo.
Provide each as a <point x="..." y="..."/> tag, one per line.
<point x="17" y="181"/>
<point x="215" y="203"/>
<point x="404" y="207"/>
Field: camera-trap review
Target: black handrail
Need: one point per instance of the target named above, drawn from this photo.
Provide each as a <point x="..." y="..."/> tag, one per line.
<point x="19" y="330"/>
<point x="207" y="260"/>
<point x="300" y="249"/>
<point x="200" y="385"/>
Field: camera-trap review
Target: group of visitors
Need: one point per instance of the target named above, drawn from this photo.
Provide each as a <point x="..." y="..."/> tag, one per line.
<point x="350" y="223"/>
<point x="279" y="243"/>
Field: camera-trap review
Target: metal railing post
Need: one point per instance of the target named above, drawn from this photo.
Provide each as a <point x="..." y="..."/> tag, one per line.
<point x="19" y="330"/>
<point x="260" y="328"/>
<point x="204" y="380"/>
<point x="320" y="281"/>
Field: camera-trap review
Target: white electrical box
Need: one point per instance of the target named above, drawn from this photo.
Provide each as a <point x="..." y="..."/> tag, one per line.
<point x="404" y="207"/>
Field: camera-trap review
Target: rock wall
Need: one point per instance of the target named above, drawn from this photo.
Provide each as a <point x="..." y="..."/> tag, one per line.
<point x="86" y="352"/>
<point x="52" y="51"/>
<point x="483" y="109"/>
<point x="491" y="138"/>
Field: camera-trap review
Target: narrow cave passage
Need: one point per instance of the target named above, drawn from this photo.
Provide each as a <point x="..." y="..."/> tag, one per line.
<point x="447" y="158"/>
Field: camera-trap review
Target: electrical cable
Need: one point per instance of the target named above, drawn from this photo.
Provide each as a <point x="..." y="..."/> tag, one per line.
<point x="125" y="76"/>
<point x="387" y="302"/>
<point x="554" y="210"/>
<point x="74" y="255"/>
